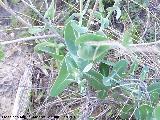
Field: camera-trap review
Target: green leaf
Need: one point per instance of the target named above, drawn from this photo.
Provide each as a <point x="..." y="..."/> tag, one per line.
<point x="88" y="67"/>
<point x="61" y="82"/>
<point x="86" y="52"/>
<point x="34" y="30"/>
<point x="71" y="65"/>
<point x="15" y="1"/>
<point x="157" y="113"/>
<point x="70" y="36"/>
<point x="100" y="53"/>
<point x="49" y="48"/>
<point x="90" y="37"/>
<point x="154" y="97"/>
<point x="82" y="64"/>
<point x="118" y="13"/>
<point x="154" y="87"/>
<point x="134" y="67"/>
<point x="50" y="13"/>
<point x="121" y="67"/>
<point x="127" y="38"/>
<point x="104" y="69"/>
<point x="78" y="28"/>
<point x="102" y="94"/>
<point x="144" y="73"/>
<point x="1" y="54"/>
<point x="107" y="81"/>
<point x="104" y="23"/>
<point x="95" y="80"/>
<point x="126" y="111"/>
<point x="144" y="112"/>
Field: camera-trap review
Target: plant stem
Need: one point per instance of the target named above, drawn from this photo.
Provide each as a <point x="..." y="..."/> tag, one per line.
<point x="8" y="9"/>
<point x="81" y="12"/>
<point x="28" y="39"/>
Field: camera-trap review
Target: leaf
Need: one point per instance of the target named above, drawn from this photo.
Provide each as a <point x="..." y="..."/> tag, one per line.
<point x="120" y="67"/>
<point x="90" y="37"/>
<point x="154" y="87"/>
<point x="86" y="52"/>
<point x="134" y="67"/>
<point x="102" y="94"/>
<point x="1" y="54"/>
<point x="100" y="53"/>
<point x="154" y="97"/>
<point x="118" y="13"/>
<point x="127" y="38"/>
<point x="104" y="23"/>
<point x="107" y="81"/>
<point x="82" y="64"/>
<point x="144" y="112"/>
<point x="157" y="113"/>
<point x="95" y="80"/>
<point x="70" y="36"/>
<point x="15" y="1"/>
<point x="50" y="13"/>
<point x="104" y="69"/>
<point x="88" y="67"/>
<point x="34" y="30"/>
<point x="72" y="67"/>
<point x="126" y="111"/>
<point x="144" y="72"/>
<point x="49" y="48"/>
<point x="78" y="28"/>
<point x="61" y="82"/>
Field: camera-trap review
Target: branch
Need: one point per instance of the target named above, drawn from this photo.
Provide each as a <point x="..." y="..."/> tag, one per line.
<point x="29" y="39"/>
<point x="8" y="9"/>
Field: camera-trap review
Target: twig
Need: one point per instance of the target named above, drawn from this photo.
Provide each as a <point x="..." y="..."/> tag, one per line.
<point x="29" y="39"/>
<point x="91" y="14"/>
<point x="22" y="96"/>
<point x="147" y="25"/>
<point x="8" y="9"/>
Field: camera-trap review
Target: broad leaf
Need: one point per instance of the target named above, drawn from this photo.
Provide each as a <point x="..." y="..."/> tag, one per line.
<point x="70" y="36"/>
<point x="154" y="87"/>
<point x="88" y="67"/>
<point x="50" y="13"/>
<point x="144" y="112"/>
<point x="34" y="30"/>
<point x="104" y="23"/>
<point x="121" y="68"/>
<point x="95" y="80"/>
<point x="1" y="54"/>
<point x="15" y="1"/>
<point x="71" y="65"/>
<point x="157" y="113"/>
<point x="126" y="111"/>
<point x="133" y="68"/>
<point x="144" y="73"/>
<point x="127" y="38"/>
<point x="90" y="37"/>
<point x="104" y="69"/>
<point x="61" y="82"/>
<point x="49" y="48"/>
<point x="107" y="81"/>
<point x="118" y="13"/>
<point x="78" y="28"/>
<point x="154" y="98"/>
<point x="86" y="52"/>
<point x="102" y="94"/>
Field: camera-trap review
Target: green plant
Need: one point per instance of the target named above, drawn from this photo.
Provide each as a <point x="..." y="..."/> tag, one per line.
<point x="81" y="58"/>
